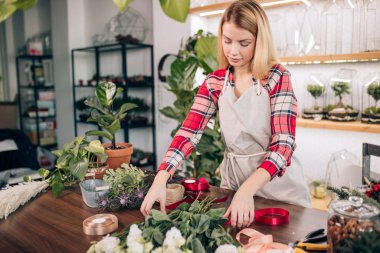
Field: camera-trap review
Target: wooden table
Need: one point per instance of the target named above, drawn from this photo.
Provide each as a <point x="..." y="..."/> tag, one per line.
<point x="46" y="224"/>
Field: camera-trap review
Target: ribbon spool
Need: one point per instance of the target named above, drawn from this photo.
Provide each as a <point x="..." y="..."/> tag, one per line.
<point x="100" y="224"/>
<point x="174" y="193"/>
<point x="272" y="216"/>
<point x="196" y="184"/>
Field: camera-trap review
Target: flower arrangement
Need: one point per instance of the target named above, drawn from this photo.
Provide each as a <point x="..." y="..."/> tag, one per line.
<point x="189" y="228"/>
<point x="128" y="187"/>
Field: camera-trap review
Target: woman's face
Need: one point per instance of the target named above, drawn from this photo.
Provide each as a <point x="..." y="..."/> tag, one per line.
<point x="238" y="45"/>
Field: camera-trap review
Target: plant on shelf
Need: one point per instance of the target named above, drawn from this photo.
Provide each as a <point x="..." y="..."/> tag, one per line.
<point x="200" y="51"/>
<point x="73" y="162"/>
<point x="110" y="121"/>
<point x="372" y="113"/>
<point x="190" y="228"/>
<point x="340" y="111"/>
<point x="316" y="91"/>
<point x="340" y="89"/>
<point x="128" y="187"/>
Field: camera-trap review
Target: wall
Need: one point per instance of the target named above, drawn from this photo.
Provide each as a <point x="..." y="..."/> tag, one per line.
<point x="314" y="146"/>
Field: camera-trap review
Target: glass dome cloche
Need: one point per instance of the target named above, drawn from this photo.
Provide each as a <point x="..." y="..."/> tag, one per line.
<point x="315" y="97"/>
<point x="341" y="96"/>
<point x="370" y="99"/>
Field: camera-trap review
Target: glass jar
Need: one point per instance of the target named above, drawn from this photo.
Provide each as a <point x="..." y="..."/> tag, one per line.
<point x="347" y="220"/>
<point x="315" y="97"/>
<point x="370" y="99"/>
<point x="342" y="96"/>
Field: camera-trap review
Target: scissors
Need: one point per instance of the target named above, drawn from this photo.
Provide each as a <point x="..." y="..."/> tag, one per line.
<point x="311" y="242"/>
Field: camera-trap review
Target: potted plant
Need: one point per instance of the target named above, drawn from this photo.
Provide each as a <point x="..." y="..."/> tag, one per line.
<point x="372" y="113"/>
<point x="340" y="111"/>
<point x="83" y="108"/>
<point x="74" y="161"/>
<point x="316" y="110"/>
<point x="110" y="121"/>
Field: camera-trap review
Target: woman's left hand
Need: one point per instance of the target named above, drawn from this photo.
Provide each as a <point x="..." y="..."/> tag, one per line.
<point x="242" y="209"/>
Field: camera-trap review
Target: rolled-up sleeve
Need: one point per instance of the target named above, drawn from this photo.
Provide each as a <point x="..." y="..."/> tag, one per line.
<point x="283" y="127"/>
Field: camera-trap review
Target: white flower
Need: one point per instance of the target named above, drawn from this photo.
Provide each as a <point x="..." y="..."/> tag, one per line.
<point x="107" y="245"/>
<point x="158" y="250"/>
<point x="174" y="238"/>
<point x="134" y="236"/>
<point x="226" y="248"/>
<point x="135" y="247"/>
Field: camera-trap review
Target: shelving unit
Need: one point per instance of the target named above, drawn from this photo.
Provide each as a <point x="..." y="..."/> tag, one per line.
<point x="338" y="58"/>
<point x="267" y="4"/>
<point x="355" y="126"/>
<point x="36" y="99"/>
<point x="121" y="50"/>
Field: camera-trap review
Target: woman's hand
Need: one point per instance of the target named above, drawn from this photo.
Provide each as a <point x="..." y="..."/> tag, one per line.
<point x="242" y="209"/>
<point x="157" y="192"/>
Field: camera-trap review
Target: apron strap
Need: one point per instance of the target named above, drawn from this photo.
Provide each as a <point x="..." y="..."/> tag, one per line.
<point x="225" y="80"/>
<point x="231" y="165"/>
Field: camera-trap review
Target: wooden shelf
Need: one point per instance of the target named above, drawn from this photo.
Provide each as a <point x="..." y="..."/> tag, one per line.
<point x="223" y="6"/>
<point x="337" y="58"/>
<point x="355" y="126"/>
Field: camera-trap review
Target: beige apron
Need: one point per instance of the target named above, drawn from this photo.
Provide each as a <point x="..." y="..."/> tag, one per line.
<point x="246" y="132"/>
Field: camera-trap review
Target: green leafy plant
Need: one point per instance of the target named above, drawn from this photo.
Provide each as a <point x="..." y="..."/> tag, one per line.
<point x="129" y="186"/>
<point x="102" y="111"/>
<point x="8" y="7"/>
<point x="315" y="91"/>
<point x="340" y="89"/>
<point x="73" y="161"/>
<point x="210" y="150"/>
<point x="367" y="241"/>
<point x="374" y="91"/>
<point x="200" y="230"/>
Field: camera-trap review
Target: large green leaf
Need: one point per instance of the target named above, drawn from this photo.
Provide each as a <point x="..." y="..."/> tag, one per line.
<point x="25" y="4"/>
<point x="176" y="9"/>
<point x="95" y="147"/>
<point x="101" y="133"/>
<point x="106" y="92"/>
<point x="169" y="112"/>
<point x="79" y="167"/>
<point x="6" y="9"/>
<point x="78" y="142"/>
<point x="182" y="73"/>
<point x="57" y="188"/>
<point x="196" y="246"/>
<point x="114" y="127"/>
<point x="123" y="109"/>
<point x="93" y="102"/>
<point x="206" y="46"/>
<point x="122" y="4"/>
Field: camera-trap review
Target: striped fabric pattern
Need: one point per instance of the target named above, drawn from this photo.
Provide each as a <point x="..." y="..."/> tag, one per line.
<point x="283" y="105"/>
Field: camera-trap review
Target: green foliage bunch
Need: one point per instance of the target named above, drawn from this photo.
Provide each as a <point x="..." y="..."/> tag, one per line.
<point x="73" y="161"/>
<point x="200" y="52"/>
<point x="365" y="242"/>
<point x="103" y="113"/>
<point x="315" y="91"/>
<point x="374" y="91"/>
<point x="340" y="89"/>
<point x="201" y="226"/>
<point x="128" y="187"/>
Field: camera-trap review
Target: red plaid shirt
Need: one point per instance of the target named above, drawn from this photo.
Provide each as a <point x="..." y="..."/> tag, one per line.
<point x="283" y="104"/>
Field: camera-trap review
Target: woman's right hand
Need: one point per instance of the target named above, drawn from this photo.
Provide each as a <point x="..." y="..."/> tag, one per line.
<point x="157" y="192"/>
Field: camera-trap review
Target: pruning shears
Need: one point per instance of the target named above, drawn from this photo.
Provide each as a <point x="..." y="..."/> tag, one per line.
<point x="311" y="242"/>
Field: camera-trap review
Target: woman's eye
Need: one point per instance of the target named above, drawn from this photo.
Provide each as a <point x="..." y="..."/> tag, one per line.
<point x="244" y="44"/>
<point x="227" y="41"/>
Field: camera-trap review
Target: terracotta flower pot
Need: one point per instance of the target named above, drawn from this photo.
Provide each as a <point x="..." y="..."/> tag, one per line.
<point x="116" y="157"/>
<point x="99" y="171"/>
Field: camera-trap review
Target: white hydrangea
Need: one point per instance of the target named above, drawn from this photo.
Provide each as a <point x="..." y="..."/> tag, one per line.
<point x="134" y="236"/>
<point x="107" y="245"/>
<point x="174" y="238"/>
<point x="226" y="248"/>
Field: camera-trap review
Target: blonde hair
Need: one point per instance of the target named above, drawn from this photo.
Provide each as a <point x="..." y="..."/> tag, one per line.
<point x="249" y="15"/>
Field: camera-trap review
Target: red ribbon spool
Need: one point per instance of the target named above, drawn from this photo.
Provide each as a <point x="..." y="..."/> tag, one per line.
<point x="196" y="184"/>
<point x="270" y="216"/>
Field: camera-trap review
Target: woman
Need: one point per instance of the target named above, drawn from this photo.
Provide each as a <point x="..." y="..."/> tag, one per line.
<point x="257" y="109"/>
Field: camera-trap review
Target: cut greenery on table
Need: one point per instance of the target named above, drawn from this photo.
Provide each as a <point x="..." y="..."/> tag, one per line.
<point x="128" y="187"/>
<point x="103" y="112"/>
<point x="199" y="51"/>
<point x="190" y="228"/>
